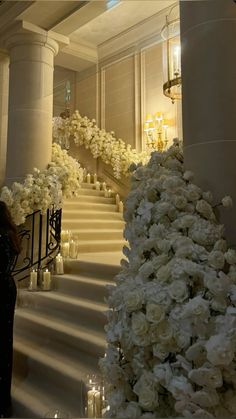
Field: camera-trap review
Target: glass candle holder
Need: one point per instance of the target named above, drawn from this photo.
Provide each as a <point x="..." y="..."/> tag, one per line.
<point x="73" y="249"/>
<point x="47" y="280"/>
<point x="59" y="264"/>
<point x="57" y="413"/>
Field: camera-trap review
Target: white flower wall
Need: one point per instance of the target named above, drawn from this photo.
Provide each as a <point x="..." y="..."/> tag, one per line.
<point x="171" y="328"/>
<point x="102" y="144"/>
<point x="42" y="189"/>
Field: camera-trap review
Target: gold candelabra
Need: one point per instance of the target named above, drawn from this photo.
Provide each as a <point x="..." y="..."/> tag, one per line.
<point x="155" y="128"/>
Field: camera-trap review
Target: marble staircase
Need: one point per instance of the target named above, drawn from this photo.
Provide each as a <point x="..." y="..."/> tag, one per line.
<point x="59" y="335"/>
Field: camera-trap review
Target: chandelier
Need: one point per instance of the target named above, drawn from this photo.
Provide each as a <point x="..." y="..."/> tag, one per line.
<point x="155" y="128"/>
<point x="172" y="55"/>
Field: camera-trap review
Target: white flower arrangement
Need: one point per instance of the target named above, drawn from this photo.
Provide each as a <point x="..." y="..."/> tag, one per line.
<point x="102" y="144"/>
<point x="171" y="328"/>
<point x="42" y="189"/>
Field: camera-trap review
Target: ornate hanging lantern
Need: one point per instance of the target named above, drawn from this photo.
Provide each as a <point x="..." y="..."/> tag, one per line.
<point x="172" y="55"/>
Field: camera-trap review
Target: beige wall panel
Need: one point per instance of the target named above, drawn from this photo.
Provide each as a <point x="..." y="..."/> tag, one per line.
<point x="86" y="95"/>
<point x="118" y="101"/>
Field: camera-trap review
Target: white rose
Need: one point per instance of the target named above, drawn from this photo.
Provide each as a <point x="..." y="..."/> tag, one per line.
<point x="132" y="411"/>
<point x="179" y="387"/>
<point x="164" y="331"/>
<point x="206" y="398"/>
<point x="205" y="210"/>
<point x="155" y="313"/>
<point x="139" y="324"/>
<point x="206" y="376"/>
<point x="227" y="202"/>
<point x="163" y="374"/>
<point x="230" y="256"/>
<point x="178" y="291"/>
<point x="197" y="307"/>
<point x="188" y="175"/>
<point x="163" y="274"/>
<point x="145" y="390"/>
<point x="133" y="300"/>
<point x="220" y="245"/>
<point x="216" y="259"/>
<point x="180" y="201"/>
<point x="207" y="196"/>
<point x="193" y="193"/>
<point x="219" y="350"/>
<point x="160" y="351"/>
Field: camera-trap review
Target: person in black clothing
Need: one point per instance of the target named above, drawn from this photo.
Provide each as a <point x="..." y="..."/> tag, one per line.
<point x="9" y="249"/>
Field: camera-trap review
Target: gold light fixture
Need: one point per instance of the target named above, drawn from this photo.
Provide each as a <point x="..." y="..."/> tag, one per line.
<point x="172" y="55"/>
<point x="155" y="128"/>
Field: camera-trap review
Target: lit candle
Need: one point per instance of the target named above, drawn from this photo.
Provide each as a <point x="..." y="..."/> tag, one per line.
<point x="97" y="186"/>
<point x="106" y="193"/>
<point x="59" y="265"/>
<point x="91" y="403"/>
<point x="121" y="206"/>
<point x="46" y="280"/>
<point x="33" y="280"/>
<point x="65" y="235"/>
<point x="109" y="193"/>
<point x="65" y="249"/>
<point x="97" y="404"/>
<point x="88" y="177"/>
<point x="73" y="249"/>
<point x="104" y="186"/>
<point x="117" y="199"/>
<point x="95" y="178"/>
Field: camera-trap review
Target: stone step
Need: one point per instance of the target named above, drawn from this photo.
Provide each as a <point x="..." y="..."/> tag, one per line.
<point x="88" y="234"/>
<point x="87" y="223"/>
<point x="93" y="265"/>
<point x="74" y="202"/>
<point x="87" y="206"/>
<point x="94" y="215"/>
<point x="86" y="246"/>
<point x="59" y="378"/>
<point x="29" y="323"/>
<point x="85" y="287"/>
<point x="74" y="309"/>
<point x="92" y="192"/>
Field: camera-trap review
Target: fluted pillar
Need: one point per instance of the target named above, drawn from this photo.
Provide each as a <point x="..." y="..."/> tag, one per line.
<point x="30" y="103"/>
<point x="4" y="85"/>
<point x="208" y="33"/>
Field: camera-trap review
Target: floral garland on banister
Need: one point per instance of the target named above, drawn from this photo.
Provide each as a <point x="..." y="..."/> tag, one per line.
<point x="102" y="144"/>
<point x="42" y="189"/>
<point x="171" y="328"/>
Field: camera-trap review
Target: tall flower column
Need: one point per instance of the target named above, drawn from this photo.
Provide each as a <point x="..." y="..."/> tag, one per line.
<point x="208" y="33"/>
<point x="30" y="103"/>
<point x="4" y="83"/>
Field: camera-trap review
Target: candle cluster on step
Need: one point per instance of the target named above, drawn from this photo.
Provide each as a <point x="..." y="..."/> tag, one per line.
<point x="69" y="245"/>
<point x="40" y="279"/>
<point x="95" y="403"/>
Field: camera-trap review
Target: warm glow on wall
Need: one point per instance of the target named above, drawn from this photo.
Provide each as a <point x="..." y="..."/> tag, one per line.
<point x="155" y="128"/>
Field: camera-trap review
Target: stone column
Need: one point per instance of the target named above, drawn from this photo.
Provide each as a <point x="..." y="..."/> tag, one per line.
<point x="4" y="85"/>
<point x="208" y="33"/>
<point x="30" y="103"/>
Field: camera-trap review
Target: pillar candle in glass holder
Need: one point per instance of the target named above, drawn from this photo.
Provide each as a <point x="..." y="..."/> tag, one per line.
<point x="117" y="199"/>
<point x="33" y="280"/>
<point x="91" y="403"/>
<point x="98" y="404"/>
<point x="106" y="193"/>
<point x="121" y="206"/>
<point x="109" y="193"/>
<point x="59" y="265"/>
<point x="46" y="280"/>
<point x="104" y="186"/>
<point x="97" y="186"/>
<point x="95" y="178"/>
<point x="88" y="178"/>
<point x="73" y="249"/>
<point x="65" y="249"/>
<point x="65" y="235"/>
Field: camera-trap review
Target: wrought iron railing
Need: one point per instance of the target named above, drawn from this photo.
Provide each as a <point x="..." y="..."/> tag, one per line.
<point x="40" y="239"/>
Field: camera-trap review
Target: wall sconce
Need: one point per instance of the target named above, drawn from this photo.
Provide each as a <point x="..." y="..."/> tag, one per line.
<point x="172" y="55"/>
<point x="155" y="128"/>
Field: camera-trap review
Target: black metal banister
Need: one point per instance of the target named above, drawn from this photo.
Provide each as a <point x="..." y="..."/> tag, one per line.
<point x="40" y="238"/>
